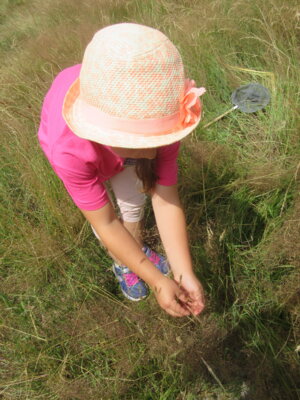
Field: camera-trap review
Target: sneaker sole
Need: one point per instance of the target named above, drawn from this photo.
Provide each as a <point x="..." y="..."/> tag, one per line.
<point x="124" y="293"/>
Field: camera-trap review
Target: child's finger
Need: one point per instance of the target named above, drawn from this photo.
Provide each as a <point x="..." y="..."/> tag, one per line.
<point x="183" y="297"/>
<point x="195" y="308"/>
<point x="196" y="298"/>
<point x="178" y="309"/>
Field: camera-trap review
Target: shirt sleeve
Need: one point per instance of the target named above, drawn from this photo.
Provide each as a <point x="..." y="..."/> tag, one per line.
<point x="166" y="164"/>
<point x="85" y="189"/>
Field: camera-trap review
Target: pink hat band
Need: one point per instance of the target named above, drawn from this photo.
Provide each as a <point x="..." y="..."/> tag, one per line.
<point x="189" y="113"/>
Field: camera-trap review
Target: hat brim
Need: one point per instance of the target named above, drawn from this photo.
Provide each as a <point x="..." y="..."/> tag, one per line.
<point x="82" y="127"/>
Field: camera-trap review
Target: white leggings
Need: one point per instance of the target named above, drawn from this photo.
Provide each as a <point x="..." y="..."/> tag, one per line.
<point x="127" y="190"/>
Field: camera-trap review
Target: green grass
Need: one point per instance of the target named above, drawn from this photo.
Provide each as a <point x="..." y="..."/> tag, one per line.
<point x="66" y="332"/>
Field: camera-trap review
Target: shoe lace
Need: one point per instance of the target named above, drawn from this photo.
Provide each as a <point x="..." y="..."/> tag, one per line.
<point x="153" y="257"/>
<point x="131" y="278"/>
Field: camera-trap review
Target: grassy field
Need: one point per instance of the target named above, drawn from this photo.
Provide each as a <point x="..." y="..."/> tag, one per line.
<point x="65" y="331"/>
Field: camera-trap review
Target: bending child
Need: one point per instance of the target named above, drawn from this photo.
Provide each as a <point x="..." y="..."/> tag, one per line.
<point x="119" y="117"/>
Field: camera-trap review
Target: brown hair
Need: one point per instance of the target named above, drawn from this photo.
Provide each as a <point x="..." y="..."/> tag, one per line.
<point x="145" y="170"/>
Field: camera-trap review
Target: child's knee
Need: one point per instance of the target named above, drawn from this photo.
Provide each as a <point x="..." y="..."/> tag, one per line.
<point x="131" y="212"/>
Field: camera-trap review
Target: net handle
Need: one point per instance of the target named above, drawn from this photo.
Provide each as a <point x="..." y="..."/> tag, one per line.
<point x="220" y="116"/>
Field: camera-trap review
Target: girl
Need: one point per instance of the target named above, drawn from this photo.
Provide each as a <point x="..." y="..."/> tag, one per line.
<point x="119" y="117"/>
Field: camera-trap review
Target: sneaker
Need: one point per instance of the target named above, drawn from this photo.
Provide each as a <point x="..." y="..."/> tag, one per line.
<point x="158" y="260"/>
<point x="132" y="286"/>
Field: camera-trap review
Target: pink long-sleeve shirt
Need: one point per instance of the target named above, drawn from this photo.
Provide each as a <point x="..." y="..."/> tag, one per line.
<point x="81" y="164"/>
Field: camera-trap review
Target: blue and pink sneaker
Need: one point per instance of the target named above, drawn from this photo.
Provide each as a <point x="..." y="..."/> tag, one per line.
<point x="158" y="260"/>
<point x="132" y="286"/>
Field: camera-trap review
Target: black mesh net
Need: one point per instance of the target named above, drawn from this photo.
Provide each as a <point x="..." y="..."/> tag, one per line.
<point x="250" y="98"/>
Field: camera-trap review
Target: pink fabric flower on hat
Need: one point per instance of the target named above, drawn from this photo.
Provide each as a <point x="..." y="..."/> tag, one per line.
<point x="190" y="105"/>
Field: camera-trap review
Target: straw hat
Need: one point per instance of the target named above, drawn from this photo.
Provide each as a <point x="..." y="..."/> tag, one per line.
<point x="131" y="91"/>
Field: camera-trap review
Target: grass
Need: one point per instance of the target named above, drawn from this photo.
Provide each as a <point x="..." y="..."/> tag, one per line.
<point x="66" y="332"/>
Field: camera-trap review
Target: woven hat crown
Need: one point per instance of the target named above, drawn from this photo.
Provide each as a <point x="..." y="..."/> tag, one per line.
<point x="132" y="71"/>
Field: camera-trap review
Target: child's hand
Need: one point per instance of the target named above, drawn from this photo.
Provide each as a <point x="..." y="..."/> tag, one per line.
<point x="194" y="292"/>
<point x="170" y="297"/>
